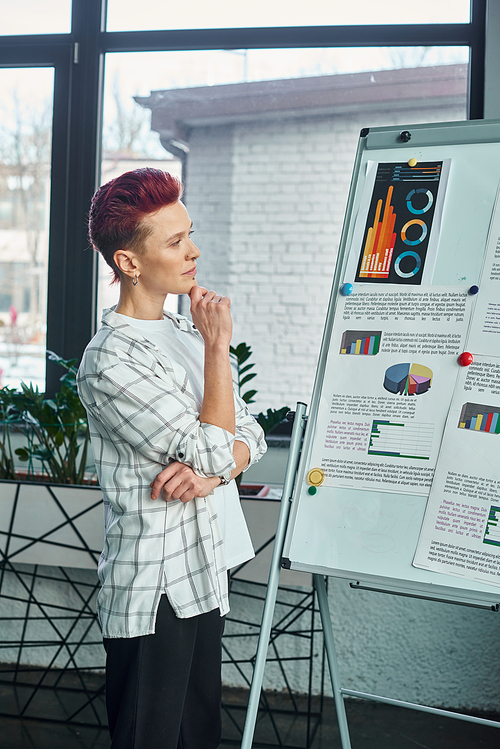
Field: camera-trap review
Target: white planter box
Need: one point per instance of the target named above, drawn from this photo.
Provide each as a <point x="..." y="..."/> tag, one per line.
<point x="51" y="524"/>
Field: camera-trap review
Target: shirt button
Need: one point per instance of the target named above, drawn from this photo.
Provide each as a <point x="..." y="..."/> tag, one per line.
<point x="180" y="455"/>
<point x="194" y="327"/>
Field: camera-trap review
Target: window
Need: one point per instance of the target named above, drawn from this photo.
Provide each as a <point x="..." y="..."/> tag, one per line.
<point x="25" y="165"/>
<point x="205" y="51"/>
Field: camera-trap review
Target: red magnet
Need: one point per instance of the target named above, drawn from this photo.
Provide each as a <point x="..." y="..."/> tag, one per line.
<point x="465" y="359"/>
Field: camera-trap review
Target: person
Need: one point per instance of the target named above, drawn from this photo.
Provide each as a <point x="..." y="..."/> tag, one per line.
<point x="169" y="434"/>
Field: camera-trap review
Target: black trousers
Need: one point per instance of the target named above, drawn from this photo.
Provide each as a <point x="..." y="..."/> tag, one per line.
<point x="163" y="691"/>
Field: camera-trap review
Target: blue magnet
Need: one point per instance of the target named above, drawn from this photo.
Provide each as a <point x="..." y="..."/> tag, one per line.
<point x="473" y="289"/>
<point x="346" y="289"/>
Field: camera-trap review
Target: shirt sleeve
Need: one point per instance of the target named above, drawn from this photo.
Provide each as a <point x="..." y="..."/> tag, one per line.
<point x="156" y="416"/>
<point x="249" y="431"/>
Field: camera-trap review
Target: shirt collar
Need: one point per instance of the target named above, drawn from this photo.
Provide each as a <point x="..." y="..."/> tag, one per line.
<point x="112" y="320"/>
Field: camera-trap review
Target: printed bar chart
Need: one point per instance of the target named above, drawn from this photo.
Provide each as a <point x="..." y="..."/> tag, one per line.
<point x="399" y="222"/>
<point x="399" y="440"/>
<point x="492" y="531"/>
<point x="361" y="342"/>
<point x="379" y="244"/>
<point x="480" y="418"/>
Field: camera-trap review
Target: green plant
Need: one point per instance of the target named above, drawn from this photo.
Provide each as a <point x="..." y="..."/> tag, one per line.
<point x="241" y="354"/>
<point x="9" y="419"/>
<point x="272" y="418"/>
<point x="55" y="430"/>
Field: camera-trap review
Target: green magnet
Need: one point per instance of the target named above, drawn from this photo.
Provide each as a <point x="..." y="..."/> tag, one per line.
<point x="312" y="490"/>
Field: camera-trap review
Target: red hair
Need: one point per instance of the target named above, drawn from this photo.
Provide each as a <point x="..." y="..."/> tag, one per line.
<point x="119" y="207"/>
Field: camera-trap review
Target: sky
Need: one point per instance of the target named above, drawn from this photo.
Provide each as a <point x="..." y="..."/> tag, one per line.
<point x="54" y="16"/>
<point x="157" y="14"/>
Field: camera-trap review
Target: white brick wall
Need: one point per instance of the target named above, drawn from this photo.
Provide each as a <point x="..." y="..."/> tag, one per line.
<point x="267" y="199"/>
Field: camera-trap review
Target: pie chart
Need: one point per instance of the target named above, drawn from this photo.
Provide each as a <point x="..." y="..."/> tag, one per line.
<point x="408" y="379"/>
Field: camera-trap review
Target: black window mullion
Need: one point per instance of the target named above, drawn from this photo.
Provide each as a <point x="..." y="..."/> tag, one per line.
<point x="308" y="36"/>
<point x="58" y="226"/>
<point x="72" y="277"/>
<point x="475" y="103"/>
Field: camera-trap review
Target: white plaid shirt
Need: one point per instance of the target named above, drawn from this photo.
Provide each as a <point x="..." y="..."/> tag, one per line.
<point x="142" y="415"/>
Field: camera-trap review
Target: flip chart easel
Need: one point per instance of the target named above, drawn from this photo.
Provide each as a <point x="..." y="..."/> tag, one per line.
<point x="314" y="533"/>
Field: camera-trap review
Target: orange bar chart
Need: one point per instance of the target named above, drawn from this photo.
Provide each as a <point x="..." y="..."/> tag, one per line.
<point x="380" y="240"/>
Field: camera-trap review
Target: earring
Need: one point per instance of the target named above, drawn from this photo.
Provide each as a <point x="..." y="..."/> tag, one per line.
<point x="135" y="280"/>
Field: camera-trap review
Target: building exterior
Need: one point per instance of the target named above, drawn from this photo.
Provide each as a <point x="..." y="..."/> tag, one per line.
<point x="267" y="168"/>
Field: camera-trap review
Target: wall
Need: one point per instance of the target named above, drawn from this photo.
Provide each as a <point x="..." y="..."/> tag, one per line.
<point x="491" y="62"/>
<point x="431" y="653"/>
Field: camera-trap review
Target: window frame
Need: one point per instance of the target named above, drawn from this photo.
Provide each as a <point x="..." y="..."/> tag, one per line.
<point x="78" y="61"/>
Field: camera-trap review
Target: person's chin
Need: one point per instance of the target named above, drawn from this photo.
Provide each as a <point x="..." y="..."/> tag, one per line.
<point x="189" y="287"/>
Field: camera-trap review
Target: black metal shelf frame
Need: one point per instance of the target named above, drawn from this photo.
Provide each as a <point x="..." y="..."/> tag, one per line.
<point x="52" y="609"/>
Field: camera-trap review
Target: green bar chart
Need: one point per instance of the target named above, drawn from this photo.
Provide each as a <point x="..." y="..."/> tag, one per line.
<point x="400" y="440"/>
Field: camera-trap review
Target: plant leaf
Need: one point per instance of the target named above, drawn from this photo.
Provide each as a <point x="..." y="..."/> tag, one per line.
<point x="247" y="378"/>
<point x="272" y="418"/>
<point x="242" y="370"/>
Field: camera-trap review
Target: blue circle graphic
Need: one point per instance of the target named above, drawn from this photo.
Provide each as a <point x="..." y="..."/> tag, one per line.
<point x="408" y="253"/>
<point x="430" y="199"/>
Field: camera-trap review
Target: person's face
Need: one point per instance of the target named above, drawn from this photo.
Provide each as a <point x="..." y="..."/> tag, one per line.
<point x="167" y="264"/>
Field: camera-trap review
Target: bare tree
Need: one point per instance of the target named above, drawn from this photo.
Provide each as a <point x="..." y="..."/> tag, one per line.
<point x="126" y="132"/>
<point x="25" y="146"/>
<point x="408" y="57"/>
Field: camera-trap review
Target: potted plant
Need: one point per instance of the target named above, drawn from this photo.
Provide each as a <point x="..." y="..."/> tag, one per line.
<point x="55" y="431"/>
<point x="240" y="355"/>
<point x="48" y="516"/>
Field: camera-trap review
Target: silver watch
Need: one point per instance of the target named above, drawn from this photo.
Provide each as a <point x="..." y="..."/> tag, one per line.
<point x="224" y="480"/>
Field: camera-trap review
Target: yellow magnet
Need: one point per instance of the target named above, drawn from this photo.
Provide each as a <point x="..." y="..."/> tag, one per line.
<point x="412" y="162"/>
<point x="315" y="477"/>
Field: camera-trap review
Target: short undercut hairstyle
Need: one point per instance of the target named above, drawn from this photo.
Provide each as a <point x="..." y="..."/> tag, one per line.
<point x="119" y="207"/>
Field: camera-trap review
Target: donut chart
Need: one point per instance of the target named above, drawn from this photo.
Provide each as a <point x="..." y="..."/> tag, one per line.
<point x="416" y="267"/>
<point x="423" y="231"/>
<point x="419" y="191"/>
<point x="408" y="379"/>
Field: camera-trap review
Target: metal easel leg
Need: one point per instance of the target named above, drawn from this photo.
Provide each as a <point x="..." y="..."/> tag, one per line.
<point x="274" y="573"/>
<point x="331" y="653"/>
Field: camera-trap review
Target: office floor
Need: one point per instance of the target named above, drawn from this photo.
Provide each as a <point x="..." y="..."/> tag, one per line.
<point x="371" y="726"/>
